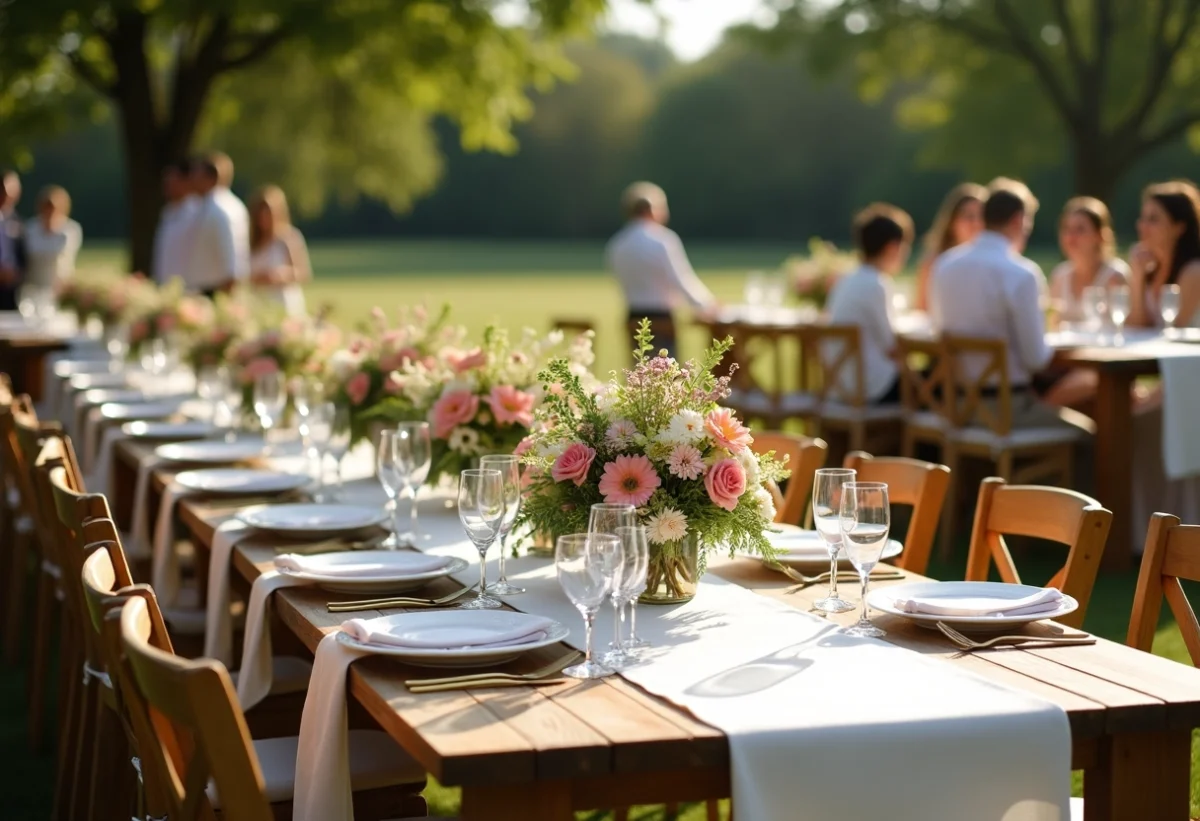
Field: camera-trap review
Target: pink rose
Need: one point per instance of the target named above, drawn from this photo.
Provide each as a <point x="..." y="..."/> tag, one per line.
<point x="465" y="362"/>
<point x="725" y="483"/>
<point x="572" y="464"/>
<point x="397" y="359"/>
<point x="138" y="331"/>
<point x="511" y="406"/>
<point x="453" y="409"/>
<point x="358" y="387"/>
<point x="166" y="322"/>
<point x="524" y="446"/>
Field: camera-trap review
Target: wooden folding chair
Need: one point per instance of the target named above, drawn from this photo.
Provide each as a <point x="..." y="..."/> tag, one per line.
<point x="1054" y="514"/>
<point x="922" y="393"/>
<point x="783" y="399"/>
<point x="836" y="352"/>
<point x="16" y="527"/>
<point x="803" y="455"/>
<point x="188" y="720"/>
<point x="1172" y="553"/>
<point x="911" y="482"/>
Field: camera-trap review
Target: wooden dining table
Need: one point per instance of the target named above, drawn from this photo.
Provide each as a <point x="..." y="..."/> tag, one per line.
<point x="527" y="753"/>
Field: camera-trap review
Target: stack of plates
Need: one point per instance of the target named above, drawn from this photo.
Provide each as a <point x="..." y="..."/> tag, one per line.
<point x="369" y="571"/>
<point x="313" y="521"/>
<point x="971" y="606"/>
<point x="211" y="453"/>
<point x="806" y="549"/>
<point x="240" y="481"/>
<point x="123" y="412"/>
<point x="178" y="431"/>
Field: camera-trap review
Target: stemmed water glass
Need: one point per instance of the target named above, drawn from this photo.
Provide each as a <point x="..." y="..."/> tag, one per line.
<point x="606" y="517"/>
<point x="393" y="483"/>
<point x="305" y="394"/>
<point x="227" y="411"/>
<point x="339" y="443"/>
<point x="481" y="510"/>
<point x="587" y="567"/>
<point x="414" y="457"/>
<point x="1095" y="307"/>
<point x="210" y="387"/>
<point x="1118" y="311"/>
<point x="1168" y="305"/>
<point x="865" y="522"/>
<point x="320" y="431"/>
<point x="270" y="396"/>
<point x="510" y="469"/>
<point x="826" y="508"/>
<point x="635" y="556"/>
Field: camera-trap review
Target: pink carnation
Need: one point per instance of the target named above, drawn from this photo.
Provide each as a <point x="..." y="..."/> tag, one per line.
<point x="511" y="406"/>
<point x="397" y="359"/>
<point x="451" y="410"/>
<point x="629" y="480"/>
<point x="685" y="462"/>
<point x="357" y="387"/>
<point x="573" y="464"/>
<point x="468" y="361"/>
<point x="727" y="431"/>
<point x="166" y="323"/>
<point x="725" y="483"/>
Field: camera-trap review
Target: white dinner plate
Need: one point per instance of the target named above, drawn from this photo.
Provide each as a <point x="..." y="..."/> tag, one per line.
<point x="211" y="452"/>
<point x="169" y="430"/>
<point x="102" y="396"/>
<point x="121" y="412"/>
<point x="392" y="576"/>
<point x="433" y="622"/>
<point x="312" y="520"/>
<point x="802" y="548"/>
<point x="72" y="367"/>
<point x="240" y="481"/>
<point x="92" y="381"/>
<point x="883" y="599"/>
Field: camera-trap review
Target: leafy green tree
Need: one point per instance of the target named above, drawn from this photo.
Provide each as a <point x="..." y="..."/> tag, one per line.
<point x="378" y="65"/>
<point x="1010" y="85"/>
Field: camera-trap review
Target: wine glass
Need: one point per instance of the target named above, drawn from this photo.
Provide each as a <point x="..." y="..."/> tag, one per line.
<point x="635" y="556"/>
<point x="510" y="469"/>
<point x="414" y="457"/>
<point x="606" y="517"/>
<point x="1095" y="307"/>
<point x="394" y="484"/>
<point x="865" y="521"/>
<point x="481" y="511"/>
<point x="270" y="396"/>
<point x="305" y="394"/>
<point x="339" y="443"/>
<point x="1118" y="310"/>
<point x="635" y="538"/>
<point x="210" y="387"/>
<point x="1169" y="304"/>
<point x="320" y="430"/>
<point x="826" y="508"/>
<point x="585" y="563"/>
<point x="227" y="411"/>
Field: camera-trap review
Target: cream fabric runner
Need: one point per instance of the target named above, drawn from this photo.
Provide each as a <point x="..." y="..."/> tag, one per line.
<point x="218" y="626"/>
<point x="100" y="473"/>
<point x="165" y="574"/>
<point x="255" y="676"/>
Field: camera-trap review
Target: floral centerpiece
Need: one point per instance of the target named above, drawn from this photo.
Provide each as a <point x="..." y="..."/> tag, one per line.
<point x="211" y="343"/>
<point x="661" y="442"/>
<point x="155" y="312"/>
<point x="292" y="346"/>
<point x="814" y="276"/>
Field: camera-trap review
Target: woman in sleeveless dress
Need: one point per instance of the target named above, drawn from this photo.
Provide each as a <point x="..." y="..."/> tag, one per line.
<point x="279" y="263"/>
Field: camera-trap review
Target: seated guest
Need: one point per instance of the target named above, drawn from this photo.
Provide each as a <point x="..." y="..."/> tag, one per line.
<point x="1085" y="235"/>
<point x="959" y="220"/>
<point x="883" y="236"/>
<point x="278" y="255"/>
<point x="987" y="289"/>
<point x="52" y="241"/>
<point x="649" y="261"/>
<point x="1167" y="253"/>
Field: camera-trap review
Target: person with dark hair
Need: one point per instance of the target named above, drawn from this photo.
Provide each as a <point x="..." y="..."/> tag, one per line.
<point x="1167" y="253"/>
<point x="172" y="239"/>
<point x="219" y="255"/>
<point x="959" y="220"/>
<point x="12" y="246"/>
<point x="883" y="235"/>
<point x="648" y="260"/>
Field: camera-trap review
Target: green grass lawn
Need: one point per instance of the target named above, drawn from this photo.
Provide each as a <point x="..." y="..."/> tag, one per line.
<point x="516" y="285"/>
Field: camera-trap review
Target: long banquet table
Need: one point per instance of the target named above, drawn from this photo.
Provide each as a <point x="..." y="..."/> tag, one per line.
<point x="540" y="753"/>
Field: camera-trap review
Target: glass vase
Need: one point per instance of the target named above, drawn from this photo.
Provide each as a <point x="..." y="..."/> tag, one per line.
<point x="673" y="571"/>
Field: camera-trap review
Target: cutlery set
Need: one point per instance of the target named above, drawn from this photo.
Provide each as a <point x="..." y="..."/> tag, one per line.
<point x="967" y="644"/>
<point x="396" y="601"/>
<point x="803" y="581"/>
<point x="474" y="681"/>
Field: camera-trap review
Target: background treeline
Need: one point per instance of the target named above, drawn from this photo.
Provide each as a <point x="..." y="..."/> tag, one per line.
<point x="749" y="146"/>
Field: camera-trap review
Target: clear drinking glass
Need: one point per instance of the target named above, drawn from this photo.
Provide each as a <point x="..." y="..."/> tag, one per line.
<point x="586" y="563"/>
<point x="865" y="522"/>
<point x="826" y="509"/>
<point x="227" y="411"/>
<point x="510" y="468"/>
<point x="606" y="517"/>
<point x="320" y="430"/>
<point x="414" y="456"/>
<point x="635" y="556"/>
<point x="393" y="482"/>
<point x="481" y="510"/>
<point x="210" y="387"/>
<point x="1095" y="307"/>
<point x="270" y="397"/>
<point x="339" y="443"/>
<point x="305" y="394"/>
<point x="1118" y="310"/>
<point x="1169" y="304"/>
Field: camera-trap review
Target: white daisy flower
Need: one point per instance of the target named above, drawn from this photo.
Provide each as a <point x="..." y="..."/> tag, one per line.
<point x="667" y="526"/>
<point x="684" y="428"/>
<point x="765" y="502"/>
<point x="463" y="440"/>
<point x="749" y="462"/>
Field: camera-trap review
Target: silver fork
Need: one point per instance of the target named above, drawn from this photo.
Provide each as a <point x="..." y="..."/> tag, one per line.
<point x="968" y="644"/>
<point x="542" y="672"/>
<point x="807" y="581"/>
<point x="395" y="601"/>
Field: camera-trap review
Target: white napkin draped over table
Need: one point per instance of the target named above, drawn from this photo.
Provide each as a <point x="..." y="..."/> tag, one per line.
<point x="165" y="575"/>
<point x="256" y="673"/>
<point x="1046" y="600"/>
<point x="1181" y="398"/>
<point x="140" y="533"/>
<point x="99" y="472"/>
<point x="218" y="625"/>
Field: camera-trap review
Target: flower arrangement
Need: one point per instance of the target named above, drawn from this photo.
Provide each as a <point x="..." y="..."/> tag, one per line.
<point x="662" y="443"/>
<point x="155" y="312"/>
<point x="103" y="295"/>
<point x="291" y="346"/>
<point x="211" y="343"/>
<point x="814" y="276"/>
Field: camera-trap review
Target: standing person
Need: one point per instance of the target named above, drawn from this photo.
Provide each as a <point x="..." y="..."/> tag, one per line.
<point x="220" y="248"/>
<point x="1085" y="235"/>
<point x="12" y="250"/>
<point x="649" y="261"/>
<point x="959" y="220"/>
<point x="278" y="254"/>
<point x="52" y="240"/>
<point x="1167" y="252"/>
<point x="173" y="238"/>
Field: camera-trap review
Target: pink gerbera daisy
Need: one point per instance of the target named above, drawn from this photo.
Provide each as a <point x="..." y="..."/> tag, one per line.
<point x="726" y="431"/>
<point x="629" y="480"/>
<point x="685" y="462"/>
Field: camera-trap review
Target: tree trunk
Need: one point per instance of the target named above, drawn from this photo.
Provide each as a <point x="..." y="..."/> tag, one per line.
<point x="1095" y="175"/>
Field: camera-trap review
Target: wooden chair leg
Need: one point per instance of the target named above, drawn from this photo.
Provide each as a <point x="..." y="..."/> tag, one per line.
<point x="950" y="507"/>
<point x="77" y="738"/>
<point x="113" y="781"/>
<point x="39" y="663"/>
<point x="18" y="580"/>
<point x="69" y="779"/>
<point x="713" y="809"/>
<point x="1004" y="466"/>
<point x="621" y="814"/>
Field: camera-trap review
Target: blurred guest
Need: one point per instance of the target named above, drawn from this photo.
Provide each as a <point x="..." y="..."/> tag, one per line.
<point x="958" y="220"/>
<point x="220" y="246"/>
<point x="987" y="289"/>
<point x="1085" y="235"/>
<point x="1167" y="253"/>
<point x="172" y="240"/>
<point x="12" y="248"/>
<point x="278" y="255"/>
<point x="651" y="265"/>
<point x="52" y="240"/>
<point x="883" y="236"/>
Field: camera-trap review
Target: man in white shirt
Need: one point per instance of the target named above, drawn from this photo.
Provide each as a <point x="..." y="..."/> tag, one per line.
<point x="11" y="251"/>
<point x="883" y="235"/>
<point x="172" y="240"/>
<point x="649" y="261"/>
<point x="986" y="288"/>
<point x="220" y="243"/>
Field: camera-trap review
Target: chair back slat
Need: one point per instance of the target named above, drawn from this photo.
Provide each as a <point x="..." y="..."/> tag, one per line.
<point x="1049" y="513"/>
<point x="985" y="399"/>
<point x="1172" y="553"/>
<point x="837" y="354"/>
<point x="912" y="483"/>
<point x="922" y="375"/>
<point x="803" y="456"/>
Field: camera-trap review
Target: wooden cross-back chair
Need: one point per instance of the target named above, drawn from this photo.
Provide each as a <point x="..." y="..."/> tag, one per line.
<point x="1050" y="513"/>
<point x="922" y="393"/>
<point x="1172" y="554"/>
<point x="17" y="546"/>
<point x="836" y="353"/>
<point x="803" y="456"/>
<point x="779" y="402"/>
<point x="911" y="482"/>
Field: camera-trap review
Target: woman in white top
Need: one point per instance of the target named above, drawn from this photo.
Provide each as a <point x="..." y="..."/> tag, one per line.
<point x="959" y="220"/>
<point x="278" y="255"/>
<point x="1085" y="235"/>
<point x="52" y="241"/>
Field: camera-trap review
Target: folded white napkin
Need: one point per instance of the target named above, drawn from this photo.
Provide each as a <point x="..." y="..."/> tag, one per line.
<point x="99" y="471"/>
<point x="165" y="575"/>
<point x="91" y="433"/>
<point x="1181" y="396"/>
<point x="377" y="563"/>
<point x="218" y="624"/>
<point x="141" y="489"/>
<point x="1046" y="600"/>
<point x="255" y="675"/>
<point x="376" y="631"/>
